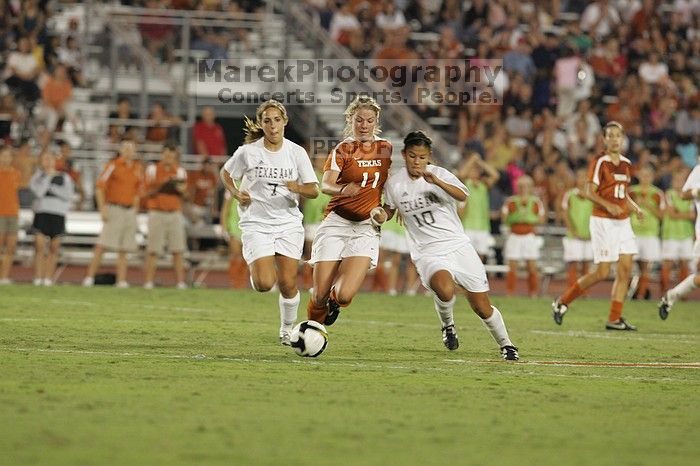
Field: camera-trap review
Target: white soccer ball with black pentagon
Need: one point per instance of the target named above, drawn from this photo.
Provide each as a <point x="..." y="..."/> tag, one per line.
<point x="309" y="338"/>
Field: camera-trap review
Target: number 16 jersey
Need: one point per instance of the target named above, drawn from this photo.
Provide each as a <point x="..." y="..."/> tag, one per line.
<point x="613" y="183"/>
<point x="429" y="213"/>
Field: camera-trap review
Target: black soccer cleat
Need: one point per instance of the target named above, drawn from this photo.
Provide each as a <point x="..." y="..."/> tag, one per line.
<point x="333" y="309"/>
<point x="449" y="337"/>
<point x="510" y="353"/>
<point x="558" y="311"/>
<point x="620" y="325"/>
<point x="664" y="307"/>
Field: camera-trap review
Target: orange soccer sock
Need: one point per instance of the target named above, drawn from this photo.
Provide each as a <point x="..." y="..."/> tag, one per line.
<point x="572" y="274"/>
<point x="615" y="311"/>
<point x="684" y="272"/>
<point x="571" y="293"/>
<point x="643" y="286"/>
<point x="665" y="277"/>
<point x="533" y="283"/>
<point x="511" y="278"/>
<point x="315" y="313"/>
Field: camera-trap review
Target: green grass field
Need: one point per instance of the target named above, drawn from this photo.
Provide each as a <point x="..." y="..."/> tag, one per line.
<point x="121" y="377"/>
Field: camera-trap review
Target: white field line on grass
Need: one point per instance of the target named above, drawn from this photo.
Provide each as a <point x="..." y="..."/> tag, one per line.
<point x="670" y="337"/>
<point x="638" y="365"/>
<point x="474" y="364"/>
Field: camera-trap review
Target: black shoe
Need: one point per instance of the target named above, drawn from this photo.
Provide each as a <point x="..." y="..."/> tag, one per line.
<point x="664" y="307"/>
<point x="558" y="311"/>
<point x="510" y="353"/>
<point x="333" y="309"/>
<point x="620" y="325"/>
<point x="449" y="337"/>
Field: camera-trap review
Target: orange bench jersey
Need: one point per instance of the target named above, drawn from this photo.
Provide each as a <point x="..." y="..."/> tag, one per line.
<point x="613" y="183"/>
<point x="366" y="165"/>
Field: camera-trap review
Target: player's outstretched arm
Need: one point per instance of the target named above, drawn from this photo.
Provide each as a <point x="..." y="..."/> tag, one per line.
<point x="635" y="208"/>
<point x="454" y="191"/>
<point x="330" y="185"/>
<point x="307" y="190"/>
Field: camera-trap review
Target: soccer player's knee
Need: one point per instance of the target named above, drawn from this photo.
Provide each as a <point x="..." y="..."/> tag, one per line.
<point x="343" y="298"/>
<point x="287" y="287"/>
<point x="444" y="291"/>
<point x="263" y="284"/>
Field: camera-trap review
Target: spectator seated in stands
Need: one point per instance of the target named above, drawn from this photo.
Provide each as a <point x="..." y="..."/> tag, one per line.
<point x="70" y="55"/>
<point x="22" y="72"/>
<point x="208" y="136"/>
<point x="123" y="112"/>
<point x="212" y="39"/>
<point x="163" y="124"/>
<point x="56" y="92"/>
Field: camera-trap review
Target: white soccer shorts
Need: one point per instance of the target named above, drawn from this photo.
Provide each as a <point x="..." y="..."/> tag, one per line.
<point x="649" y="249"/>
<point x="577" y="250"/>
<point x="395" y="242"/>
<point x="338" y="238"/>
<point x="522" y="247"/>
<point x="464" y="265"/>
<point x="677" y="249"/>
<point x="481" y="240"/>
<point x="610" y="238"/>
<point x="288" y="242"/>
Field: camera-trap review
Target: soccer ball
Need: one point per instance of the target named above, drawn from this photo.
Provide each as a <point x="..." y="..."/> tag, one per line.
<point x="309" y="338"/>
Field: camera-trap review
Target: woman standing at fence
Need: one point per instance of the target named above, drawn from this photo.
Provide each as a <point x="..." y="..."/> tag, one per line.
<point x="53" y="192"/>
<point x="273" y="172"/>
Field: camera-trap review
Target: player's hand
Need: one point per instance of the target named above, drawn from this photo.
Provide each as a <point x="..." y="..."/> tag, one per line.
<point x="243" y="198"/>
<point x="350" y="189"/>
<point x="430" y="177"/>
<point x="640" y="214"/>
<point x="378" y="216"/>
<point x="614" y="209"/>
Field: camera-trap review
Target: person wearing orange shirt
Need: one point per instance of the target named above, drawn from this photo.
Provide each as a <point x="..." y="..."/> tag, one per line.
<point x="612" y="237"/>
<point x="9" y="211"/>
<point x="346" y="245"/>
<point x="201" y="185"/>
<point x="56" y="92"/>
<point x="118" y="194"/>
<point x="166" y="186"/>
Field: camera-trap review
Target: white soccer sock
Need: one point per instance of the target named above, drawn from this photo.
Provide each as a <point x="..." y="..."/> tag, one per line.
<point x="682" y="289"/>
<point x="497" y="328"/>
<point x="288" y="311"/>
<point x="444" y="310"/>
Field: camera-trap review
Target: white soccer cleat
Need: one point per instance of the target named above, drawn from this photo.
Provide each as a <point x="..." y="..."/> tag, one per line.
<point x="88" y="282"/>
<point x="38" y="282"/>
<point x="48" y="282"/>
<point x="148" y="286"/>
<point x="182" y="286"/>
<point x="5" y="281"/>
<point x="122" y="285"/>
<point x="558" y="311"/>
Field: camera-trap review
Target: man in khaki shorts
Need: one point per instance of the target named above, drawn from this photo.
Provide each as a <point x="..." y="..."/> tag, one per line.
<point x="118" y="194"/>
<point x="9" y="211"/>
<point x="166" y="185"/>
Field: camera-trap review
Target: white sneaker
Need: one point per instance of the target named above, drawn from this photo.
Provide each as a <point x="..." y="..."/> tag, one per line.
<point x="122" y="285"/>
<point x="392" y="292"/>
<point x="148" y="286"/>
<point x="182" y="286"/>
<point x="88" y="282"/>
<point x="5" y="281"/>
<point x="38" y="282"/>
<point x="48" y="282"/>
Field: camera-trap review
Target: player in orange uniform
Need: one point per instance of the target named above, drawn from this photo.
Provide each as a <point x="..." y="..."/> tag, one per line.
<point x="612" y="238"/>
<point x="9" y="211"/>
<point x="346" y="244"/>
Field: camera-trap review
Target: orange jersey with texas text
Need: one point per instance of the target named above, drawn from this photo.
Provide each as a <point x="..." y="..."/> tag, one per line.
<point x="364" y="164"/>
<point x="613" y="183"/>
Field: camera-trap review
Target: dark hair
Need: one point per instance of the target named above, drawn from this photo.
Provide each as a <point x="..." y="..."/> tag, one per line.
<point x="123" y="99"/>
<point x="171" y="146"/>
<point x="417" y="138"/>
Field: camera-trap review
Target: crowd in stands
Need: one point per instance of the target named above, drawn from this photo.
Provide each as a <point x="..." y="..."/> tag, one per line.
<point x="569" y="66"/>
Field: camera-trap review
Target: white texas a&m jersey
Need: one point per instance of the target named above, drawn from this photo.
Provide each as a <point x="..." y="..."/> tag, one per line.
<point x="693" y="182"/>
<point x="264" y="175"/>
<point x="429" y="213"/>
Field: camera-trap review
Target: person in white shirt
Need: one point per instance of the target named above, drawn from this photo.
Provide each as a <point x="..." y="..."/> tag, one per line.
<point x="22" y="71"/>
<point x="273" y="173"/>
<point x="691" y="190"/>
<point x="653" y="71"/>
<point x="426" y="196"/>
